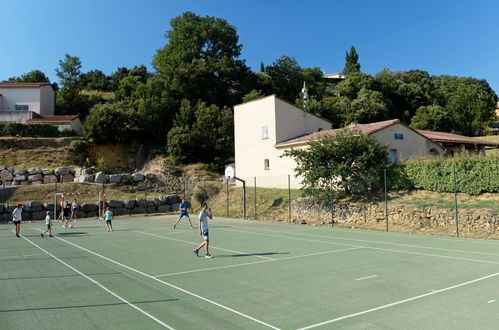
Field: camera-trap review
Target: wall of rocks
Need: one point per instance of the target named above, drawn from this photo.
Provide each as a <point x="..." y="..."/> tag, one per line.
<point x="37" y="211"/>
<point x="35" y="175"/>
<point x="372" y="215"/>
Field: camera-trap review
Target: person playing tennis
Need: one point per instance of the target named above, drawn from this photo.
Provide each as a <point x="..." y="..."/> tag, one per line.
<point x="183" y="213"/>
<point x="203" y="230"/>
<point x="108" y="216"/>
<point x="17" y="218"/>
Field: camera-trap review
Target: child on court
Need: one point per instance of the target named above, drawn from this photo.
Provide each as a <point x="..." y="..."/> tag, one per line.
<point x="48" y="224"/>
<point x="17" y="218"/>
<point x="108" y="216"/>
<point x="183" y="213"/>
<point x="203" y="230"/>
<point x="74" y="210"/>
<point x="66" y="215"/>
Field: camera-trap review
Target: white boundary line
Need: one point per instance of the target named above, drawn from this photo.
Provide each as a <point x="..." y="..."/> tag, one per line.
<point x="365" y="278"/>
<point x="398" y="302"/>
<point x="101" y="286"/>
<point x="367" y="247"/>
<point x="170" y="285"/>
<point x="212" y="247"/>
<point x="256" y="262"/>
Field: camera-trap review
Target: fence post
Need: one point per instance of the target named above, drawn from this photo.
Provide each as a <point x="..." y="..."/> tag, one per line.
<point x="289" y="198"/>
<point x="145" y="190"/>
<point x="227" y="184"/>
<point x="332" y="200"/>
<point x="386" y="200"/>
<point x="255" y="200"/>
<point x="455" y="201"/>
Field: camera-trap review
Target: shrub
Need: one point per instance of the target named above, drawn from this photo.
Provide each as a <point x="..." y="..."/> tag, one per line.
<point x="205" y="191"/>
<point x="78" y="145"/>
<point x="28" y="130"/>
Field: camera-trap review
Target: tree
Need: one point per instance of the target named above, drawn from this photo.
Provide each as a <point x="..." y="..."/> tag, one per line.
<point x="253" y="95"/>
<point x="112" y="122"/>
<point x="348" y="161"/>
<point x="368" y="107"/>
<point x="351" y="62"/>
<point x="201" y="60"/>
<point x="353" y="83"/>
<point x="202" y="133"/>
<point x="286" y="77"/>
<point x="68" y="98"/>
<point x="69" y="72"/>
<point x="32" y="76"/>
<point x="94" y="80"/>
<point x="431" y="117"/>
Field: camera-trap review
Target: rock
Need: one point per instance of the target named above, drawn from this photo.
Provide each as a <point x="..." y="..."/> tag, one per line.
<point x="34" y="170"/>
<point x="78" y="172"/>
<point x="115" y="204"/>
<point x="138" y="210"/>
<point x="86" y="178"/>
<point x="137" y="177"/>
<point x="87" y="207"/>
<point x="156" y="202"/>
<point x="36" y="182"/>
<point x="100" y="177"/>
<point x="2" y="168"/>
<point x="172" y="199"/>
<point x="66" y="178"/>
<point x="39" y="215"/>
<point x="20" y="178"/>
<point x="120" y="211"/>
<point x="303" y="222"/>
<point x="141" y="202"/>
<point x="164" y="208"/>
<point x="34" y="206"/>
<point x="126" y="177"/>
<point x="175" y="207"/>
<point x="150" y="202"/>
<point x="16" y="183"/>
<point x="115" y="178"/>
<point x="87" y="171"/>
<point x="19" y="171"/>
<point x="5" y="175"/>
<point x="50" y="179"/>
<point x="35" y="177"/>
<point x="62" y="170"/>
<point x="47" y="171"/>
<point x="130" y="203"/>
<point x="50" y="207"/>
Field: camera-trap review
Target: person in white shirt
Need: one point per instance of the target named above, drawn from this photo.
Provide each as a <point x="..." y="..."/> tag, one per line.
<point x="17" y="217"/>
<point x="48" y="224"/>
<point x="203" y="230"/>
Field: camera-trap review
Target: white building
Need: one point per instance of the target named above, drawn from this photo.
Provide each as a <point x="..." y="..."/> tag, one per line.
<point x="265" y="128"/>
<point x="22" y="101"/>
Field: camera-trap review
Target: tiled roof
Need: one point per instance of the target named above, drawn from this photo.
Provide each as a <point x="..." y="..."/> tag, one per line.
<point x="23" y="85"/>
<point x="46" y="119"/>
<point x="364" y="128"/>
<point x="444" y="137"/>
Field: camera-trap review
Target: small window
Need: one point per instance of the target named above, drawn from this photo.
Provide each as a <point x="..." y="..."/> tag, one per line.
<point x="21" y="107"/>
<point x="266" y="164"/>
<point x="398" y="136"/>
<point x="265" y="132"/>
<point x="393" y="156"/>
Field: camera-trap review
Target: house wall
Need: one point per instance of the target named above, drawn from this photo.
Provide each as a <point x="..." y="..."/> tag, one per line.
<point x="413" y="144"/>
<point x="283" y="121"/>
<point x="46" y="101"/>
<point x="22" y="96"/>
<point x="14" y="116"/>
<point x="76" y="125"/>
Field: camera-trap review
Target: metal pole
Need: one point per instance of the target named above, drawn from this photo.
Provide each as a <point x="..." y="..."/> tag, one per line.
<point x="455" y="201"/>
<point x="145" y="189"/>
<point x="386" y="201"/>
<point x="227" y="184"/>
<point x="289" y="198"/>
<point x="332" y="201"/>
<point x="244" y="199"/>
<point x="255" y="199"/>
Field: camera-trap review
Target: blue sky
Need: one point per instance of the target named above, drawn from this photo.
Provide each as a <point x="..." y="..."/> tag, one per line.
<point x="442" y="37"/>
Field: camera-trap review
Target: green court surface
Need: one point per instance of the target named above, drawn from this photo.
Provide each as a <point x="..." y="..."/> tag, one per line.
<point x="144" y="275"/>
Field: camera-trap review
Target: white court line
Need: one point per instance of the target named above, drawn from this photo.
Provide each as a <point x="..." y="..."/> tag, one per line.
<point x="211" y="246"/>
<point x="365" y="278"/>
<point x="101" y="286"/>
<point x="255" y="262"/>
<point x="368" y="247"/>
<point x="24" y="255"/>
<point x="387" y="243"/>
<point x="398" y="302"/>
<point x="169" y="284"/>
<point x="491" y="301"/>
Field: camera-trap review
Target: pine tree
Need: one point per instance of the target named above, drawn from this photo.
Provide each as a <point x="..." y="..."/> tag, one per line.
<point x="351" y="62"/>
<point x="262" y="67"/>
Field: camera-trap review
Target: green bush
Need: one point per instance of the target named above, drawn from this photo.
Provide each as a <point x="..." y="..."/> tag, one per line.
<point x="28" y="130"/>
<point x="204" y="191"/>
<point x="474" y="174"/>
<point x="78" y="145"/>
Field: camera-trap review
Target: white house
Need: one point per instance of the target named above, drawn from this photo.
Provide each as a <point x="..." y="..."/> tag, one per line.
<point x="62" y="122"/>
<point x="22" y="101"/>
<point x="265" y="128"/>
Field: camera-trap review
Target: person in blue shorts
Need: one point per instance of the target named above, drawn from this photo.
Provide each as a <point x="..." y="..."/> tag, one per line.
<point x="203" y="230"/>
<point x="183" y="213"/>
<point x="17" y="217"/>
<point x="108" y="216"/>
<point x="48" y="224"/>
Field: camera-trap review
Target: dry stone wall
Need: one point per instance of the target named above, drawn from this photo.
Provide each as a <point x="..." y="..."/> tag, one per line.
<point x="37" y="211"/>
<point x="480" y="222"/>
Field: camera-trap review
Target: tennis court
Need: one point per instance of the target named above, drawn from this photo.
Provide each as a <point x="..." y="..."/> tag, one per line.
<point x="264" y="275"/>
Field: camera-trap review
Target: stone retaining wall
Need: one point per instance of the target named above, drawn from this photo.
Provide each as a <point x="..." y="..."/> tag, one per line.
<point x="35" y="175"/>
<point x="37" y="210"/>
<point x="372" y="215"/>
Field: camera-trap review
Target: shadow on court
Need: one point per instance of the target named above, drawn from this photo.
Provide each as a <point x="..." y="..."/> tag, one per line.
<point x="73" y="233"/>
<point x="84" y="306"/>
<point x="249" y="254"/>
